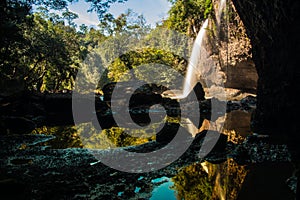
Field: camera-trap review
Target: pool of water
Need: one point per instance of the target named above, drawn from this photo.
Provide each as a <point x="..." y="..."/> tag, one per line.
<point x="163" y="190"/>
<point x="203" y="180"/>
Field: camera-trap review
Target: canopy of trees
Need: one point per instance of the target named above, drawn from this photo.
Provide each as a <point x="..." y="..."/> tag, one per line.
<point x="186" y="15"/>
<point x="42" y="51"/>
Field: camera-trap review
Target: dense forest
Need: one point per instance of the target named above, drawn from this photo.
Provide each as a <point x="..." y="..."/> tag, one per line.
<point x="42" y="50"/>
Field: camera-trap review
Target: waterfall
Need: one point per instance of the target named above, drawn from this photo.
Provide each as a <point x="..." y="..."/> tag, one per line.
<point x="221" y="8"/>
<point x="191" y="75"/>
<point x="194" y="64"/>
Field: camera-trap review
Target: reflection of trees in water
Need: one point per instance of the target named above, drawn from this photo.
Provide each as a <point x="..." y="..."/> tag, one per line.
<point x="65" y="136"/>
<point x="113" y="137"/>
<point x="87" y="136"/>
<point x="120" y="138"/>
<point x="193" y="183"/>
<point x="210" y="181"/>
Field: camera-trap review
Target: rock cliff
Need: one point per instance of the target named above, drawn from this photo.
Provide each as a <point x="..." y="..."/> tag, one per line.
<point x="229" y="55"/>
<point x="272" y="28"/>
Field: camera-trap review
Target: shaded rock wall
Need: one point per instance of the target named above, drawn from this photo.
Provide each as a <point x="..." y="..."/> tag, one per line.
<point x="235" y="52"/>
<point x="242" y="76"/>
<point x="229" y="55"/>
<point x="272" y="28"/>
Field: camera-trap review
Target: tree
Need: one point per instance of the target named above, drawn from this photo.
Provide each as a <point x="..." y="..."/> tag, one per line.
<point x="186" y="15"/>
<point x="126" y="23"/>
<point x="40" y="54"/>
<point x="39" y="49"/>
<point x="13" y="44"/>
<point x="99" y="6"/>
<point x="70" y="16"/>
<point x="134" y="61"/>
<point x="54" y="55"/>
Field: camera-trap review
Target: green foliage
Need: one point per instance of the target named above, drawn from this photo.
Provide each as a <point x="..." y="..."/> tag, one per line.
<point x="100" y="7"/>
<point x="38" y="51"/>
<point x="13" y="44"/>
<point x="43" y="51"/>
<point x="186" y="15"/>
<point x="126" y="23"/>
<point x="54" y="55"/>
<point x="131" y="45"/>
<point x="152" y="58"/>
<point x="70" y="16"/>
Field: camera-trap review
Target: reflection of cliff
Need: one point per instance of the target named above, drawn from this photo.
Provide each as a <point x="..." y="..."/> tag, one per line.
<point x="235" y="125"/>
<point x="238" y="122"/>
<point x="229" y="178"/>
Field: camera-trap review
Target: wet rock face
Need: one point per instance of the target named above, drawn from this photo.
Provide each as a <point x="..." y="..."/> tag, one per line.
<point x="272" y="28"/>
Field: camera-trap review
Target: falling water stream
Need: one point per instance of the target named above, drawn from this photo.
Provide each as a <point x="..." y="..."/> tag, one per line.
<point x="191" y="74"/>
<point x="220" y="11"/>
<point x="195" y="62"/>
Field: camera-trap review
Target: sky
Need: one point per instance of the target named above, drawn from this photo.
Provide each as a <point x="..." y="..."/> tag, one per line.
<point x="153" y="10"/>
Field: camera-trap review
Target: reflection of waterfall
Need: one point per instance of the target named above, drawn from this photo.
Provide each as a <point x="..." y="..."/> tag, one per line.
<point x="196" y="60"/>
